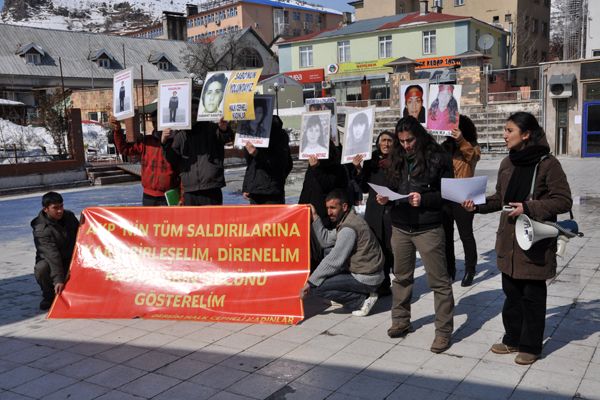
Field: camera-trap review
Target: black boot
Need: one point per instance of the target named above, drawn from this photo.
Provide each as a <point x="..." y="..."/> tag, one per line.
<point x="452" y="273"/>
<point x="467" y="280"/>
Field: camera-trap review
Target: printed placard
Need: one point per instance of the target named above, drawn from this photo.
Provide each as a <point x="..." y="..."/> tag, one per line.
<point x="212" y="99"/>
<point x="443" y="108"/>
<point x="123" y="102"/>
<point x="326" y="104"/>
<point x="257" y="131"/>
<point x="358" y="137"/>
<point x="175" y="104"/>
<point x="239" y="95"/>
<point x="413" y="99"/>
<point x="314" y="135"/>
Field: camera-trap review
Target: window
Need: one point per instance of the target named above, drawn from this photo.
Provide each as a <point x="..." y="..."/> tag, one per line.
<point x="343" y="51"/>
<point x="507" y="17"/>
<point x="33" y="58"/>
<point x="306" y="56"/>
<point x="545" y="29"/>
<point x="104" y="63"/>
<point x="296" y="15"/>
<point x="495" y="19"/>
<point x="163" y="65"/>
<point x="385" y="46"/>
<point x="459" y="3"/>
<point x="429" y="42"/>
<point x="438" y="3"/>
<point x="250" y="58"/>
<point x="595" y="53"/>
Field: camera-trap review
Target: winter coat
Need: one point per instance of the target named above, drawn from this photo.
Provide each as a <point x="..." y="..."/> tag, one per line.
<point x="551" y="196"/>
<point x="268" y="169"/>
<point x="465" y="156"/>
<point x="54" y="242"/>
<point x="428" y="214"/>
<point x="198" y="155"/>
<point x="158" y="176"/>
<point x="321" y="179"/>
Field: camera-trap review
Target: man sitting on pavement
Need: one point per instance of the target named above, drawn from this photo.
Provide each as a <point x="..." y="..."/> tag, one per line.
<point x="353" y="269"/>
<point x="54" y="235"/>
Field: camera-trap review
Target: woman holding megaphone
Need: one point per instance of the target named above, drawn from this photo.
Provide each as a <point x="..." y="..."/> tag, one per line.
<point x="531" y="182"/>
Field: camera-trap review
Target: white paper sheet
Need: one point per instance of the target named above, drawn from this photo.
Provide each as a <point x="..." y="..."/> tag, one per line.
<point x="386" y="192"/>
<point x="459" y="190"/>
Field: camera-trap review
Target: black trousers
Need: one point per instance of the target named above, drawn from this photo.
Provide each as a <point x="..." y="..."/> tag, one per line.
<point x="42" y="276"/>
<point x="454" y="212"/>
<point x="209" y="197"/>
<point x="524" y="313"/>
<point x="153" y="201"/>
<point x="267" y="198"/>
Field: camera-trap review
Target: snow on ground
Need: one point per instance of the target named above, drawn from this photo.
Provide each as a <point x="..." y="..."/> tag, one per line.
<point x="35" y="144"/>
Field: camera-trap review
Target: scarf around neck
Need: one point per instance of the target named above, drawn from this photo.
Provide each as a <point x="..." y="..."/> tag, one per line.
<point x="525" y="162"/>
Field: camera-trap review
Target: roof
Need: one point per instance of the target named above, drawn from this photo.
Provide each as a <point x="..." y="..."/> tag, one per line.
<point x="385" y="23"/>
<point x="294" y="5"/>
<point x="402" y="61"/>
<point x="281" y="79"/>
<point x="74" y="48"/>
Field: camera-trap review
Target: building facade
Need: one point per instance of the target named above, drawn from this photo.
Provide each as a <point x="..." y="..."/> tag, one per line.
<point x="526" y="21"/>
<point x="358" y="54"/>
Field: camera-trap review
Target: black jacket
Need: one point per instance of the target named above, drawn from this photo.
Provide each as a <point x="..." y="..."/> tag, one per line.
<point x="54" y="242"/>
<point x="320" y="180"/>
<point x="268" y="169"/>
<point x="198" y="154"/>
<point x="428" y="183"/>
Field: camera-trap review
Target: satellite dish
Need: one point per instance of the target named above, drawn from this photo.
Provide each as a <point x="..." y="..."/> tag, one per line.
<point x="485" y="42"/>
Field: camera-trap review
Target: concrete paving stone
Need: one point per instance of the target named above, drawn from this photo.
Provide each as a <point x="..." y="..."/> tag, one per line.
<point x="239" y="341"/>
<point x="213" y="353"/>
<point x="569" y="350"/>
<point x="152" y="325"/>
<point x="421" y="338"/>
<point x="125" y="334"/>
<point x="334" y="342"/>
<point x="184" y="368"/>
<point x="368" y="347"/>
<point x="121" y="353"/>
<point x="10" y="346"/>
<point x="6" y="395"/>
<point x="57" y="360"/>
<point x="183" y="328"/>
<point x="503" y="374"/>
<point x="247" y="361"/>
<point x="467" y="348"/>
<point x="478" y="388"/>
<point x="408" y="354"/>
<point x="79" y="391"/>
<point x="296" y="390"/>
<point x="353" y="327"/>
<point x="44" y="385"/>
<point x="231" y="326"/>
<point x="393" y="371"/>
<point x="151" y="360"/>
<point x="297" y="334"/>
<point x="326" y="378"/>
<point x="286" y="370"/>
<point x="208" y="334"/>
<point x="182" y="347"/>
<point x="28" y="354"/>
<point x="264" y="329"/>
<point x="346" y="360"/>
<point x="17" y="376"/>
<point x="320" y="323"/>
<point x="152" y="340"/>
<point x="410" y="392"/>
<point x="186" y="391"/>
<point x="273" y="347"/>
<point x="368" y="387"/>
<point x="310" y="354"/>
<point x="343" y="396"/>
<point x="219" y="377"/>
<point x="229" y="396"/>
<point x="257" y="386"/>
<point x="85" y="368"/>
<point x="435" y="378"/>
<point x="116" y="376"/>
<point x="91" y="349"/>
<point x="118" y="395"/>
<point x="7" y="365"/>
<point x="589" y="389"/>
<point x="149" y="385"/>
<point x="596" y="357"/>
<point x="537" y="384"/>
<point x="453" y="364"/>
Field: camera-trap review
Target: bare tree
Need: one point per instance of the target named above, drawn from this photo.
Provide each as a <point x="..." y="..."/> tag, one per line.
<point x="52" y="113"/>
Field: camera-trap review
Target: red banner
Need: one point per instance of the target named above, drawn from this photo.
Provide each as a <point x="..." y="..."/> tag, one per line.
<point x="219" y="264"/>
<point x="307" y="75"/>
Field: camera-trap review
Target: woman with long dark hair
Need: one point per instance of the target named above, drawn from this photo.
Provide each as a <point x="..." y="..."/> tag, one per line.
<point x="418" y="165"/>
<point x="378" y="216"/>
<point x="530" y="182"/>
<point x="465" y="152"/>
<point x="443" y="113"/>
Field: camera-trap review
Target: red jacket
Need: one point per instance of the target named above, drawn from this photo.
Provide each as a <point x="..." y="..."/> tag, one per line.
<point x="158" y="175"/>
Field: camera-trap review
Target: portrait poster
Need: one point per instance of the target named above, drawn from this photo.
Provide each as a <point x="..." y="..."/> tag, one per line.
<point x="257" y="130"/>
<point x="326" y="104"/>
<point x="443" y="108"/>
<point x="239" y="95"/>
<point x="314" y="135"/>
<point x="175" y="104"/>
<point x="213" y="95"/>
<point x="358" y="137"/>
<point x="413" y="99"/>
<point x="123" y="106"/>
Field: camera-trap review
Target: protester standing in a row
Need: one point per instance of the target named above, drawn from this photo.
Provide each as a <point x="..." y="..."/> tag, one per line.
<point x="465" y="152"/>
<point x="158" y="175"/>
<point x="417" y="168"/>
<point x="267" y="169"/>
<point x="199" y="155"/>
<point x="532" y="182"/>
<point x="377" y="216"/>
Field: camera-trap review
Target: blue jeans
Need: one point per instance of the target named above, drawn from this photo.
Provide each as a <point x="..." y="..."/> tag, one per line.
<point x="344" y="289"/>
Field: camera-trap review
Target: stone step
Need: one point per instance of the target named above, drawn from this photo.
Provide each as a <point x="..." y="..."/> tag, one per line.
<point x="100" y="168"/>
<point x="108" y="172"/>
<point x="112" y="179"/>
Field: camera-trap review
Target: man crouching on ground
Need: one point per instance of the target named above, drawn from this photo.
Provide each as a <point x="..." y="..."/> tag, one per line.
<point x="54" y="234"/>
<point x="353" y="270"/>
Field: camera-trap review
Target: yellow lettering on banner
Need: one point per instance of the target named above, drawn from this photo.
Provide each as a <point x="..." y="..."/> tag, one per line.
<point x="243" y="230"/>
<point x="252" y="254"/>
<point x="168" y="230"/>
<point x="179" y="301"/>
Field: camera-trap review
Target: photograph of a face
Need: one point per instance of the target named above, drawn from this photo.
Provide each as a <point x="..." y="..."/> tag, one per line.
<point x="212" y="98"/>
<point x="258" y="130"/>
<point x="358" y="138"/>
<point x="443" y="108"/>
<point x="174" y="104"/>
<point x="413" y="99"/>
<point x="326" y="104"/>
<point x="123" y="106"/>
<point x="314" y="135"/>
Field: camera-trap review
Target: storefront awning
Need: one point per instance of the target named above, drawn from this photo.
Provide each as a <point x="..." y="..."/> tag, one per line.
<point x="357" y="78"/>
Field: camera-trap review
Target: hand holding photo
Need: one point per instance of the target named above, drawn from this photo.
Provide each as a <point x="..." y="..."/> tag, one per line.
<point x="314" y="135"/>
<point x="358" y="137"/>
<point x="174" y="104"/>
<point x="212" y="97"/>
<point x="413" y="99"/>
<point x="123" y="106"/>
<point x="442" y="114"/>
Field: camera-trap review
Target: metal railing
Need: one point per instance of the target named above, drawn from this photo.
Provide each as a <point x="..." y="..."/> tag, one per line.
<point x="519" y="96"/>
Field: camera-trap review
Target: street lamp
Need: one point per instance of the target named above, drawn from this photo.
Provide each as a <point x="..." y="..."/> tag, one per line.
<point x="276" y="88"/>
<point x="291" y="102"/>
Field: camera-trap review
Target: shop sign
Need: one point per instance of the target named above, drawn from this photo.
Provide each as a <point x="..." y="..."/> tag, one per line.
<point x="437" y="62"/>
<point x="362" y="66"/>
<point x="307" y="76"/>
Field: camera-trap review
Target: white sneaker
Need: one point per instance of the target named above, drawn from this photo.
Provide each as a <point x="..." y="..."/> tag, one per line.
<point x="367" y="305"/>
